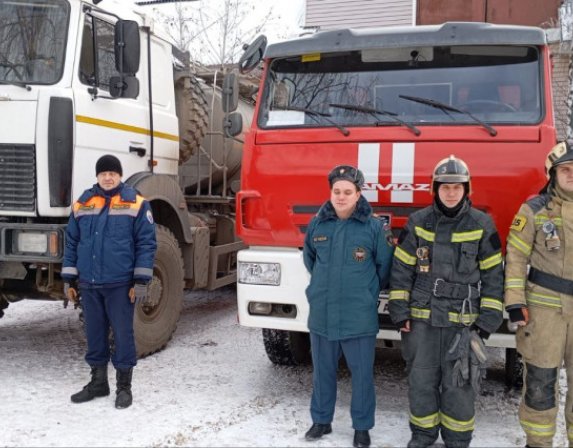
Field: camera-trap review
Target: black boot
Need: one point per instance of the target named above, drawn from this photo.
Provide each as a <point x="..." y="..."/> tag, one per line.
<point x="97" y="387"/>
<point x="317" y="430"/>
<point x="123" y="397"/>
<point x="420" y="441"/>
<point x="361" y="439"/>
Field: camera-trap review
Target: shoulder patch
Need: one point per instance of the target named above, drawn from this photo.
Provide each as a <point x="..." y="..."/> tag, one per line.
<point x="538" y="202"/>
<point x="149" y="216"/>
<point x="518" y="223"/>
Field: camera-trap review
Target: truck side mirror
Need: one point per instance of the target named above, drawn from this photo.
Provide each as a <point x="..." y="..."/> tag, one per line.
<point x="126" y="44"/>
<point x="230" y="93"/>
<point x="253" y="54"/>
<point x="232" y="124"/>
<point x="123" y="87"/>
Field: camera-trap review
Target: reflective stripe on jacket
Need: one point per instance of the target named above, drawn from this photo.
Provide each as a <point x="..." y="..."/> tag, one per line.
<point x="463" y="250"/>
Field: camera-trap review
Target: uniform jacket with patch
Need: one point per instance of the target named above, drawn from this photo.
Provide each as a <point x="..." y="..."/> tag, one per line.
<point x="526" y="245"/>
<point x="349" y="262"/>
<point x="463" y="250"/>
<point x="110" y="239"/>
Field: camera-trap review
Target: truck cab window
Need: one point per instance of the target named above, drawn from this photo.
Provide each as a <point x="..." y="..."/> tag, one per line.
<point x="33" y="37"/>
<point x="102" y="59"/>
<point x="489" y="81"/>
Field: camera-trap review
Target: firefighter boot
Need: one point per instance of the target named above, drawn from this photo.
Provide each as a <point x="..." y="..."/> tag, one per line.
<point x="123" y="397"/>
<point x="97" y="387"/>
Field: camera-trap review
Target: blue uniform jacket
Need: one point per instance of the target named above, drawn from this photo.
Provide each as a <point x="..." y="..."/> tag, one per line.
<point x="110" y="238"/>
<point x="349" y="261"/>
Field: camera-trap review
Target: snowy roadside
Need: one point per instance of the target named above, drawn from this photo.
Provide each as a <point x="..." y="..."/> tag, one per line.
<point x="212" y="386"/>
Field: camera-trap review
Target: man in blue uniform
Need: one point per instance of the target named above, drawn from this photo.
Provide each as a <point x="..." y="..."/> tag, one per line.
<point x="348" y="254"/>
<point x="109" y="252"/>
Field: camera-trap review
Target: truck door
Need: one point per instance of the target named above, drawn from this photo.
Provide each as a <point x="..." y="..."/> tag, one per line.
<point x="104" y="125"/>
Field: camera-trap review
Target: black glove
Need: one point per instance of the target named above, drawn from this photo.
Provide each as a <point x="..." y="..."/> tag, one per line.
<point x="401" y="324"/>
<point x="481" y="332"/>
<point x="516" y="315"/>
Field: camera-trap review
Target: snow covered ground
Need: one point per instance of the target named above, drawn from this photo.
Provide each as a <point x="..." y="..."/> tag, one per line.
<point x="212" y="386"/>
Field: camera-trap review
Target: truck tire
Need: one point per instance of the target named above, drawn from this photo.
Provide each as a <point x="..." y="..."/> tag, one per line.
<point x="513" y="369"/>
<point x="287" y="348"/>
<point x="193" y="114"/>
<point x="156" y="320"/>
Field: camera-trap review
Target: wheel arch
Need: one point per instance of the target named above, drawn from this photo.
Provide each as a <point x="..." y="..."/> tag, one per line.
<point x="167" y="202"/>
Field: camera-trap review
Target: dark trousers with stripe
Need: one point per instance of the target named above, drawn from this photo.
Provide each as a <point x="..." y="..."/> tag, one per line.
<point x="435" y="403"/>
<point x="359" y="355"/>
<point x="104" y="308"/>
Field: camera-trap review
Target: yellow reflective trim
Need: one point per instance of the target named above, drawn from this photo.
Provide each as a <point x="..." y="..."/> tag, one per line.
<point x="542" y="219"/>
<point x="490" y="262"/>
<point x="489" y="302"/>
<point x="398" y="294"/>
<point x="426" y="234"/>
<point x="518" y="283"/>
<point x="429" y="421"/>
<point x="472" y="235"/>
<point x="124" y="127"/>
<point x="457" y="425"/>
<point x="404" y="256"/>
<point x="420" y="313"/>
<point x="462" y="319"/>
<point x="519" y="244"/>
<point x="537" y="429"/>
<point x="543" y="299"/>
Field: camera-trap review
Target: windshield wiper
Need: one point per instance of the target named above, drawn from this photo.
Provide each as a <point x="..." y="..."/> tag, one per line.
<point x="314" y="113"/>
<point x="17" y="84"/>
<point x="374" y="112"/>
<point x="447" y="108"/>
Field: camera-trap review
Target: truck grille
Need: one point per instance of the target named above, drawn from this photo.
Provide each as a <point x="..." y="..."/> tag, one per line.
<point x="17" y="178"/>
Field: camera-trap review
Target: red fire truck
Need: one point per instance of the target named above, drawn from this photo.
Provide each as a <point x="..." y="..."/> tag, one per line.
<point x="392" y="101"/>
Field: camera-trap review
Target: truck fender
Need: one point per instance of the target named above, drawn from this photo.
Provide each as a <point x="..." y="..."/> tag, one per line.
<point x="167" y="202"/>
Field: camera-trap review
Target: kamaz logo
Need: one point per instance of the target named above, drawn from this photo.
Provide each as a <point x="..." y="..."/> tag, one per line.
<point x="397" y="187"/>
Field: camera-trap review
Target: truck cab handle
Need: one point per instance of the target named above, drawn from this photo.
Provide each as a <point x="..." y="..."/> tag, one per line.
<point x="140" y="151"/>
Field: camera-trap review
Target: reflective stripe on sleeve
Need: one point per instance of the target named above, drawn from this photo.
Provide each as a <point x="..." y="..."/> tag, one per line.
<point x="143" y="271"/>
<point x="519" y="244"/>
<point x="399" y="294"/>
<point x="490" y="302"/>
<point x="514" y="283"/>
<point x="490" y="262"/>
<point x="70" y="271"/>
<point x="404" y="256"/>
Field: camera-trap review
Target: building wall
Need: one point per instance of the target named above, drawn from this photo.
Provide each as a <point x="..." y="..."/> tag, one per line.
<point x="513" y="12"/>
<point x="330" y="14"/>
<point x="560" y="52"/>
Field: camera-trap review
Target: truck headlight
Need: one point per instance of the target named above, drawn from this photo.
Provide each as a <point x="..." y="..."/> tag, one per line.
<point x="40" y="243"/>
<point x="260" y="273"/>
<point x="32" y="242"/>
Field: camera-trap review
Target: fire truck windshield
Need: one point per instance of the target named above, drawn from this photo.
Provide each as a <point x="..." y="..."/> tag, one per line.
<point x="493" y="84"/>
<point x="32" y="41"/>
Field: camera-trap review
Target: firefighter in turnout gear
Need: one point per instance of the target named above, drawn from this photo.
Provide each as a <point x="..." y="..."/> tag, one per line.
<point x="446" y="293"/>
<point x="540" y="301"/>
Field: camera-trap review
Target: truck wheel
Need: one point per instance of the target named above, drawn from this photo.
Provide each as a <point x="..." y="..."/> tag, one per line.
<point x="287" y="348"/>
<point x="156" y="320"/>
<point x="513" y="369"/>
<point x="193" y="113"/>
